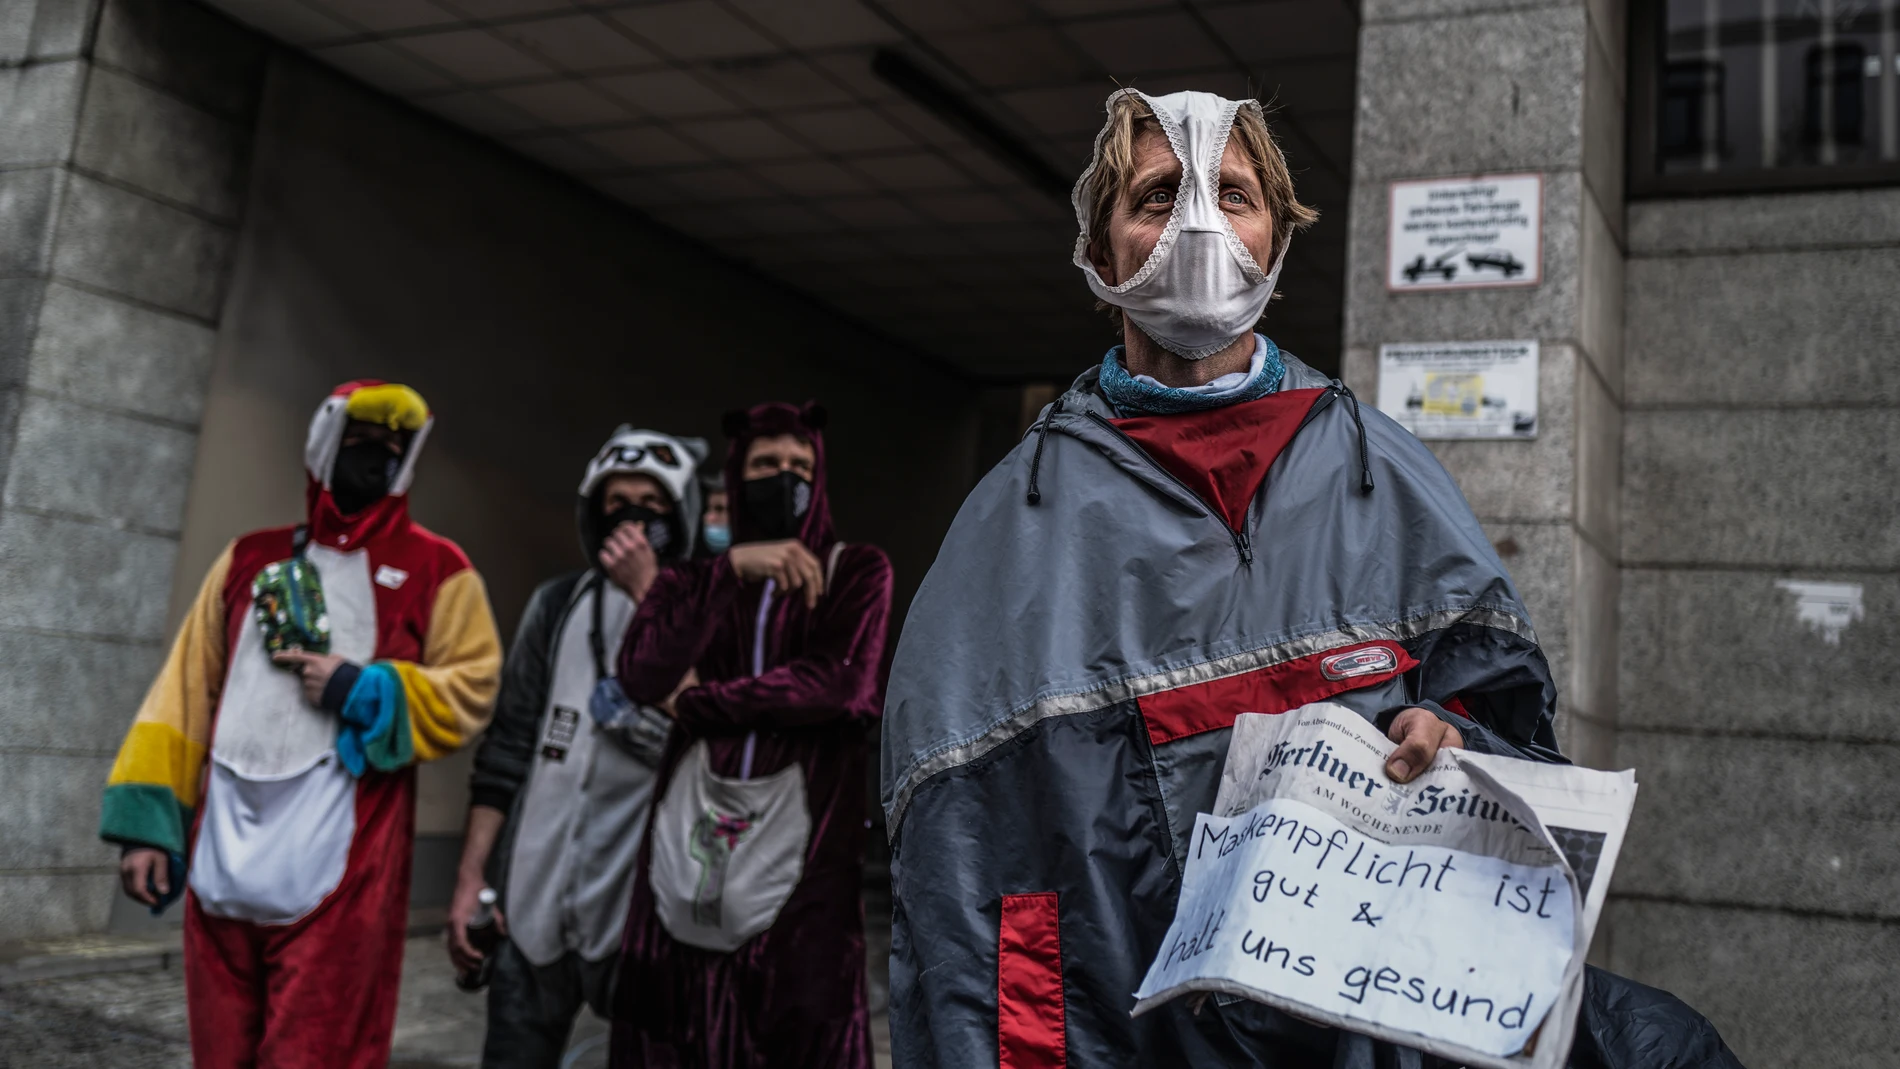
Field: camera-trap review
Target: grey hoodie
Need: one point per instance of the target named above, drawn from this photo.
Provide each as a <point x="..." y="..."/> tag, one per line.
<point x="576" y="802"/>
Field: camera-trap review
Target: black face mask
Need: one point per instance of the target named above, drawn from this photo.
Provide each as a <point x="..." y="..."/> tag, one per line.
<point x="662" y="528"/>
<point x="362" y="475"/>
<point x="776" y="504"/>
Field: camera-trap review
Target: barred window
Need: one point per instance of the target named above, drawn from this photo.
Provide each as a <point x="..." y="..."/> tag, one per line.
<point x="1763" y="94"/>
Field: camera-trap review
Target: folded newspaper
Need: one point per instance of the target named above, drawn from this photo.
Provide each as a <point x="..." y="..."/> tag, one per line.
<point x="1450" y="914"/>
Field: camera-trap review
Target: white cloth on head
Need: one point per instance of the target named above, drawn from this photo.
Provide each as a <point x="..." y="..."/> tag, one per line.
<point x="1200" y="289"/>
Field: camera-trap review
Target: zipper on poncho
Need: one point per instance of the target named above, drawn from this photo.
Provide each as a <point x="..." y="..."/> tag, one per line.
<point x="1243" y="543"/>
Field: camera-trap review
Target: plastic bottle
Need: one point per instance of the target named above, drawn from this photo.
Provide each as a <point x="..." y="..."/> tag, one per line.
<point x="485" y="936"/>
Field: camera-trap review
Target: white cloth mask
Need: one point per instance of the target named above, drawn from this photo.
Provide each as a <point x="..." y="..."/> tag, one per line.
<point x="1199" y="290"/>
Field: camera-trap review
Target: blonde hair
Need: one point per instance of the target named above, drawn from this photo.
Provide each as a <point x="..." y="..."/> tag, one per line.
<point x="1129" y="117"/>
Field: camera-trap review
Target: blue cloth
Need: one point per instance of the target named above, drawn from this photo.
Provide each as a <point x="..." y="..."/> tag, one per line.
<point x="1131" y="397"/>
<point x="375" y="723"/>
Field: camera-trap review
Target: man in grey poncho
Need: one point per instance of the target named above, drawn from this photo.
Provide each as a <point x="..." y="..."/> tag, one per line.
<point x="1200" y="525"/>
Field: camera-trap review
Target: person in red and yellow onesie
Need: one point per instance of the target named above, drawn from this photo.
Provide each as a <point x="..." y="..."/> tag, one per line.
<point x="284" y="771"/>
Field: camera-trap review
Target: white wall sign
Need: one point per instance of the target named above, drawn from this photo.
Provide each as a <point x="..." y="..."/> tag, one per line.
<point x="1456" y="233"/>
<point x="1461" y="389"/>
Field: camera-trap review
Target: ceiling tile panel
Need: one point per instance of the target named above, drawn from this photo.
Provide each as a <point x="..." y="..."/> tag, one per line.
<point x="812" y="24"/>
<point x="480" y="111"/>
<point x="646" y="146"/>
<point x="721" y="182"/>
<point x="767" y="217"/>
<point x="382" y="16"/>
<point x="565" y="104"/>
<point x="872" y="213"/>
<point x="986" y="168"/>
<point x="695" y="29"/>
<point x="291" y="23"/>
<point x="565" y="153"/>
<point x="1016" y="241"/>
<point x="1073" y="8"/>
<point x="576" y="43"/>
<point x="475" y="56"/>
<point x="912" y="171"/>
<point x="496" y="9"/>
<point x="669" y="94"/>
<point x="1022" y="55"/>
<point x="843" y="249"/>
<point x="812" y="178"/>
<point x="1035" y="204"/>
<point x="933" y="17"/>
<point x="971" y="207"/>
<point x="646" y="191"/>
<point x="704" y="222"/>
<point x="847" y="130"/>
<point x="776" y="82"/>
<point x="745" y="139"/>
<point x="1060" y="110"/>
<point x="925" y="127"/>
<point x="1127" y="47"/>
<point x="384" y="67"/>
<point x="853" y="71"/>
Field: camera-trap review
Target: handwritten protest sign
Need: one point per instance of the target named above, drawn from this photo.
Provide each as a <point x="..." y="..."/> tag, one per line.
<point x="1439" y="914"/>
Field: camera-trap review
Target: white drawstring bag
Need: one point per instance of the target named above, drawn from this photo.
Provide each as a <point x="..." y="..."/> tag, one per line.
<point x="727" y="853"/>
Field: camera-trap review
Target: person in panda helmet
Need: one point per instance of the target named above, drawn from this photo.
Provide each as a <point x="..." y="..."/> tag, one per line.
<point x="563" y="780"/>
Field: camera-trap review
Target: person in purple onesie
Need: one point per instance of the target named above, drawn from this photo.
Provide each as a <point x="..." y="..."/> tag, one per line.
<point x="780" y="644"/>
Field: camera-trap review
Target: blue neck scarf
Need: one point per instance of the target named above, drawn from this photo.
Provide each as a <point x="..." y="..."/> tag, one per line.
<point x="1134" y="398"/>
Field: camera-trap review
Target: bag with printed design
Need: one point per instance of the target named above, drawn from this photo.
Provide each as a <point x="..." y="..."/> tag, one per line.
<point x="728" y="852"/>
<point x="287" y="603"/>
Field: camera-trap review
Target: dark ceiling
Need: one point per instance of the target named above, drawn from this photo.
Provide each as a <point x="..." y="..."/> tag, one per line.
<point x="900" y="160"/>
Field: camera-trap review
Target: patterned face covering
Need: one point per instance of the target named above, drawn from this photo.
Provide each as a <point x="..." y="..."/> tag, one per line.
<point x="287" y="602"/>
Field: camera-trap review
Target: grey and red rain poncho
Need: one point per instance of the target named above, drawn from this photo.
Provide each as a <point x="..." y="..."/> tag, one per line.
<point x="1109" y="597"/>
<point x="794" y="996"/>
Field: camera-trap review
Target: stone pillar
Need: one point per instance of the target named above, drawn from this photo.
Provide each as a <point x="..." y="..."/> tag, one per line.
<point x="124" y="134"/>
<point x="1463" y="87"/>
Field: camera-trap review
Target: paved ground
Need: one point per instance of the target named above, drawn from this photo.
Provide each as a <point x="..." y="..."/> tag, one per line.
<point x="136" y="1020"/>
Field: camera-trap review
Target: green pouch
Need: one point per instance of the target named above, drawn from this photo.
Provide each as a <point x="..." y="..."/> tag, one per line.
<point x="287" y="600"/>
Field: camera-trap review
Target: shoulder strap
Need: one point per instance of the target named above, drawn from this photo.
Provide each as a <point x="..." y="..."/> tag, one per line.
<point x="831" y="565"/>
<point x="596" y="641"/>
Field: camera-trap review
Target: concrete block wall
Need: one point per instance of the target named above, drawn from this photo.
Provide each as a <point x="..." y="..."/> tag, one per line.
<point x="1545" y="97"/>
<point x="1762" y="447"/>
<point x="124" y="135"/>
